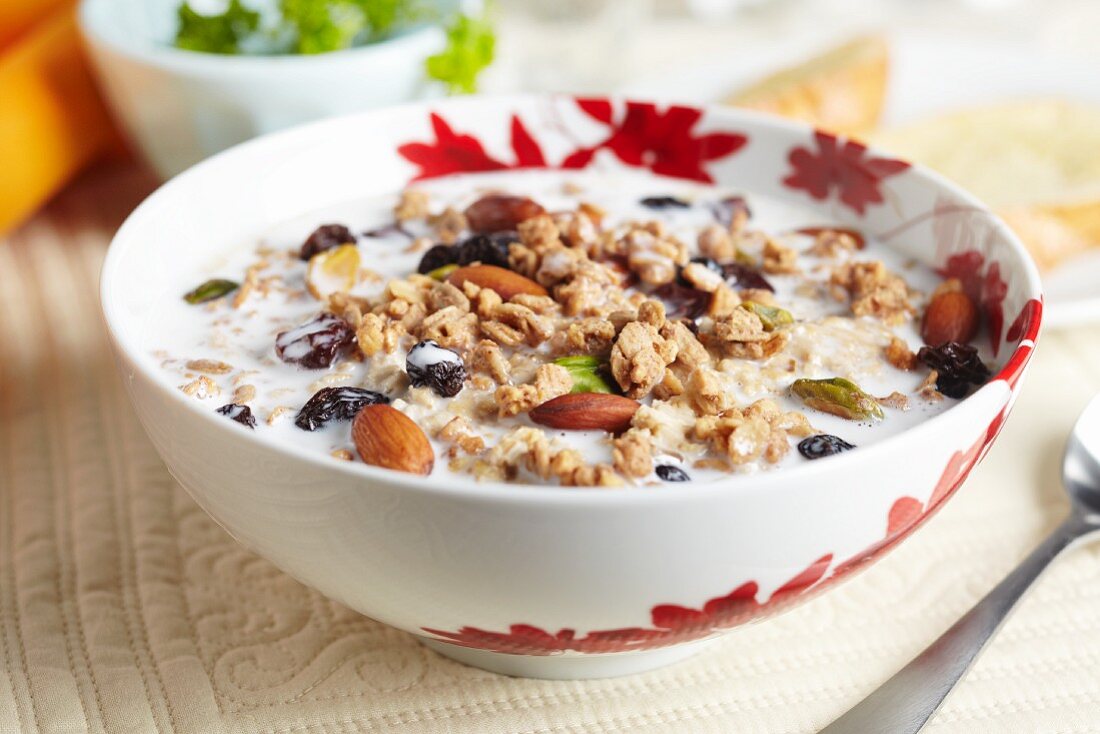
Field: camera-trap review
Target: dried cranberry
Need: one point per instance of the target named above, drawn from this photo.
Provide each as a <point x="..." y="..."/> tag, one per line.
<point x="440" y="369"/>
<point x="500" y="212"/>
<point x="324" y="238"/>
<point x="739" y="275"/>
<point x="487" y="249"/>
<point x="335" y="404"/>
<point x="729" y="209"/>
<point x="315" y="344"/>
<point x="240" y="413"/>
<point x="683" y="301"/>
<point x="671" y="473"/>
<point x="664" y="202"/>
<point x="957" y="366"/>
<point x="823" y="444"/>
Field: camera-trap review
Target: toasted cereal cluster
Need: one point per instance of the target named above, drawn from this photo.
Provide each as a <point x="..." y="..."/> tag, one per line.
<point x="873" y="291"/>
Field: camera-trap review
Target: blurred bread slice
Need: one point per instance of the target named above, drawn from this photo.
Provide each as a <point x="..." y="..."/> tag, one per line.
<point x="842" y="90"/>
<point x="1055" y="232"/>
<point x="1025" y="152"/>
<point x="1037" y="162"/>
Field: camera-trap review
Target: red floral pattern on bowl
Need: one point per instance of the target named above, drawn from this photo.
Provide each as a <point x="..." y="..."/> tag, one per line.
<point x="643" y="136"/>
<point x="841" y="166"/>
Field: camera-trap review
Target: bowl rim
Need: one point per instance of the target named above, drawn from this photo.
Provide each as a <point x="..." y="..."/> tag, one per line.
<point x="494" y="492"/>
<point x="93" y="20"/>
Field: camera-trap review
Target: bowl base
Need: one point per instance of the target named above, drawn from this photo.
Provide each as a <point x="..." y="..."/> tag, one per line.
<point x="567" y="667"/>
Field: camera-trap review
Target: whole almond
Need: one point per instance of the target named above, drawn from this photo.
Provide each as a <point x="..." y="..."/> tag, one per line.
<point x="386" y="437"/>
<point x="950" y="317"/>
<point x="505" y="282"/>
<point x="589" y="411"/>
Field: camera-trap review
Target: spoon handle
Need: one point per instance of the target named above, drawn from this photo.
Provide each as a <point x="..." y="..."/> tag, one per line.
<point x="905" y="702"/>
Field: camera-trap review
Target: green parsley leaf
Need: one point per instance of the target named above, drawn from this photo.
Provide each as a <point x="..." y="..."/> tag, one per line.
<point x="470" y="47"/>
<point x="218" y="34"/>
<point x="385" y="16"/>
<point x="321" y="26"/>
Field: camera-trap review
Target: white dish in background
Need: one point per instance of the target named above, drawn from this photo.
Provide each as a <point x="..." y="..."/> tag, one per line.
<point x="181" y="106"/>
<point x="929" y="74"/>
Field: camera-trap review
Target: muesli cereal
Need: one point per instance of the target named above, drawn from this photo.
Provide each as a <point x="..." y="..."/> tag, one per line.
<point x="599" y="329"/>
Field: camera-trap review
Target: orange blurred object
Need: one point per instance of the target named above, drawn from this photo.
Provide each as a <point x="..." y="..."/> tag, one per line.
<point x="19" y="16"/>
<point x="52" y="120"/>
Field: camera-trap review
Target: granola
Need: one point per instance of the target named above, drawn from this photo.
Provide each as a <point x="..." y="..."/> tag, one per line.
<point x="694" y="320"/>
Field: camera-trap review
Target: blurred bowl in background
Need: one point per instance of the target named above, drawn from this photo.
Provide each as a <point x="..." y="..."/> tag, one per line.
<point x="181" y="106"/>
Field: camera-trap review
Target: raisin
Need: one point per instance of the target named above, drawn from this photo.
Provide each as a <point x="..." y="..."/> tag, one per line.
<point x="436" y="257"/>
<point x="670" y="473"/>
<point x="740" y="276"/>
<point x="500" y="212"/>
<point x="324" y="238"/>
<point x="726" y="211"/>
<point x="335" y="404"/>
<point x="664" y="202"/>
<point x="240" y="413"/>
<point x="957" y="366"/>
<point x="816" y="447"/>
<point x="683" y="301"/>
<point x="388" y="229"/>
<point x="440" y="369"/>
<point x="488" y="249"/>
<point x="315" y="344"/>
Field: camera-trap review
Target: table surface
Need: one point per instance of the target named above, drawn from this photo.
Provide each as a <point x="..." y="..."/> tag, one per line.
<point x="123" y="607"/>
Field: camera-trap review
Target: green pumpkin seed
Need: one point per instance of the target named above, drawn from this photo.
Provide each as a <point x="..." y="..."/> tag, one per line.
<point x="839" y="397"/>
<point x="744" y="258"/>
<point x="211" y="289"/>
<point x="772" y="317"/>
<point x="585" y="371"/>
<point x="442" y="272"/>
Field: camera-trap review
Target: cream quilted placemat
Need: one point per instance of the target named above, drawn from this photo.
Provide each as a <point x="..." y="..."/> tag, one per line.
<point x="123" y="608"/>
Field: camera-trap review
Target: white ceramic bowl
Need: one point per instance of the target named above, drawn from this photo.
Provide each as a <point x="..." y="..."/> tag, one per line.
<point x="182" y="106"/>
<point x="552" y="581"/>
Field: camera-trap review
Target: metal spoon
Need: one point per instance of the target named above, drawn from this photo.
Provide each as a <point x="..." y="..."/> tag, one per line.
<point x="906" y="702"/>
